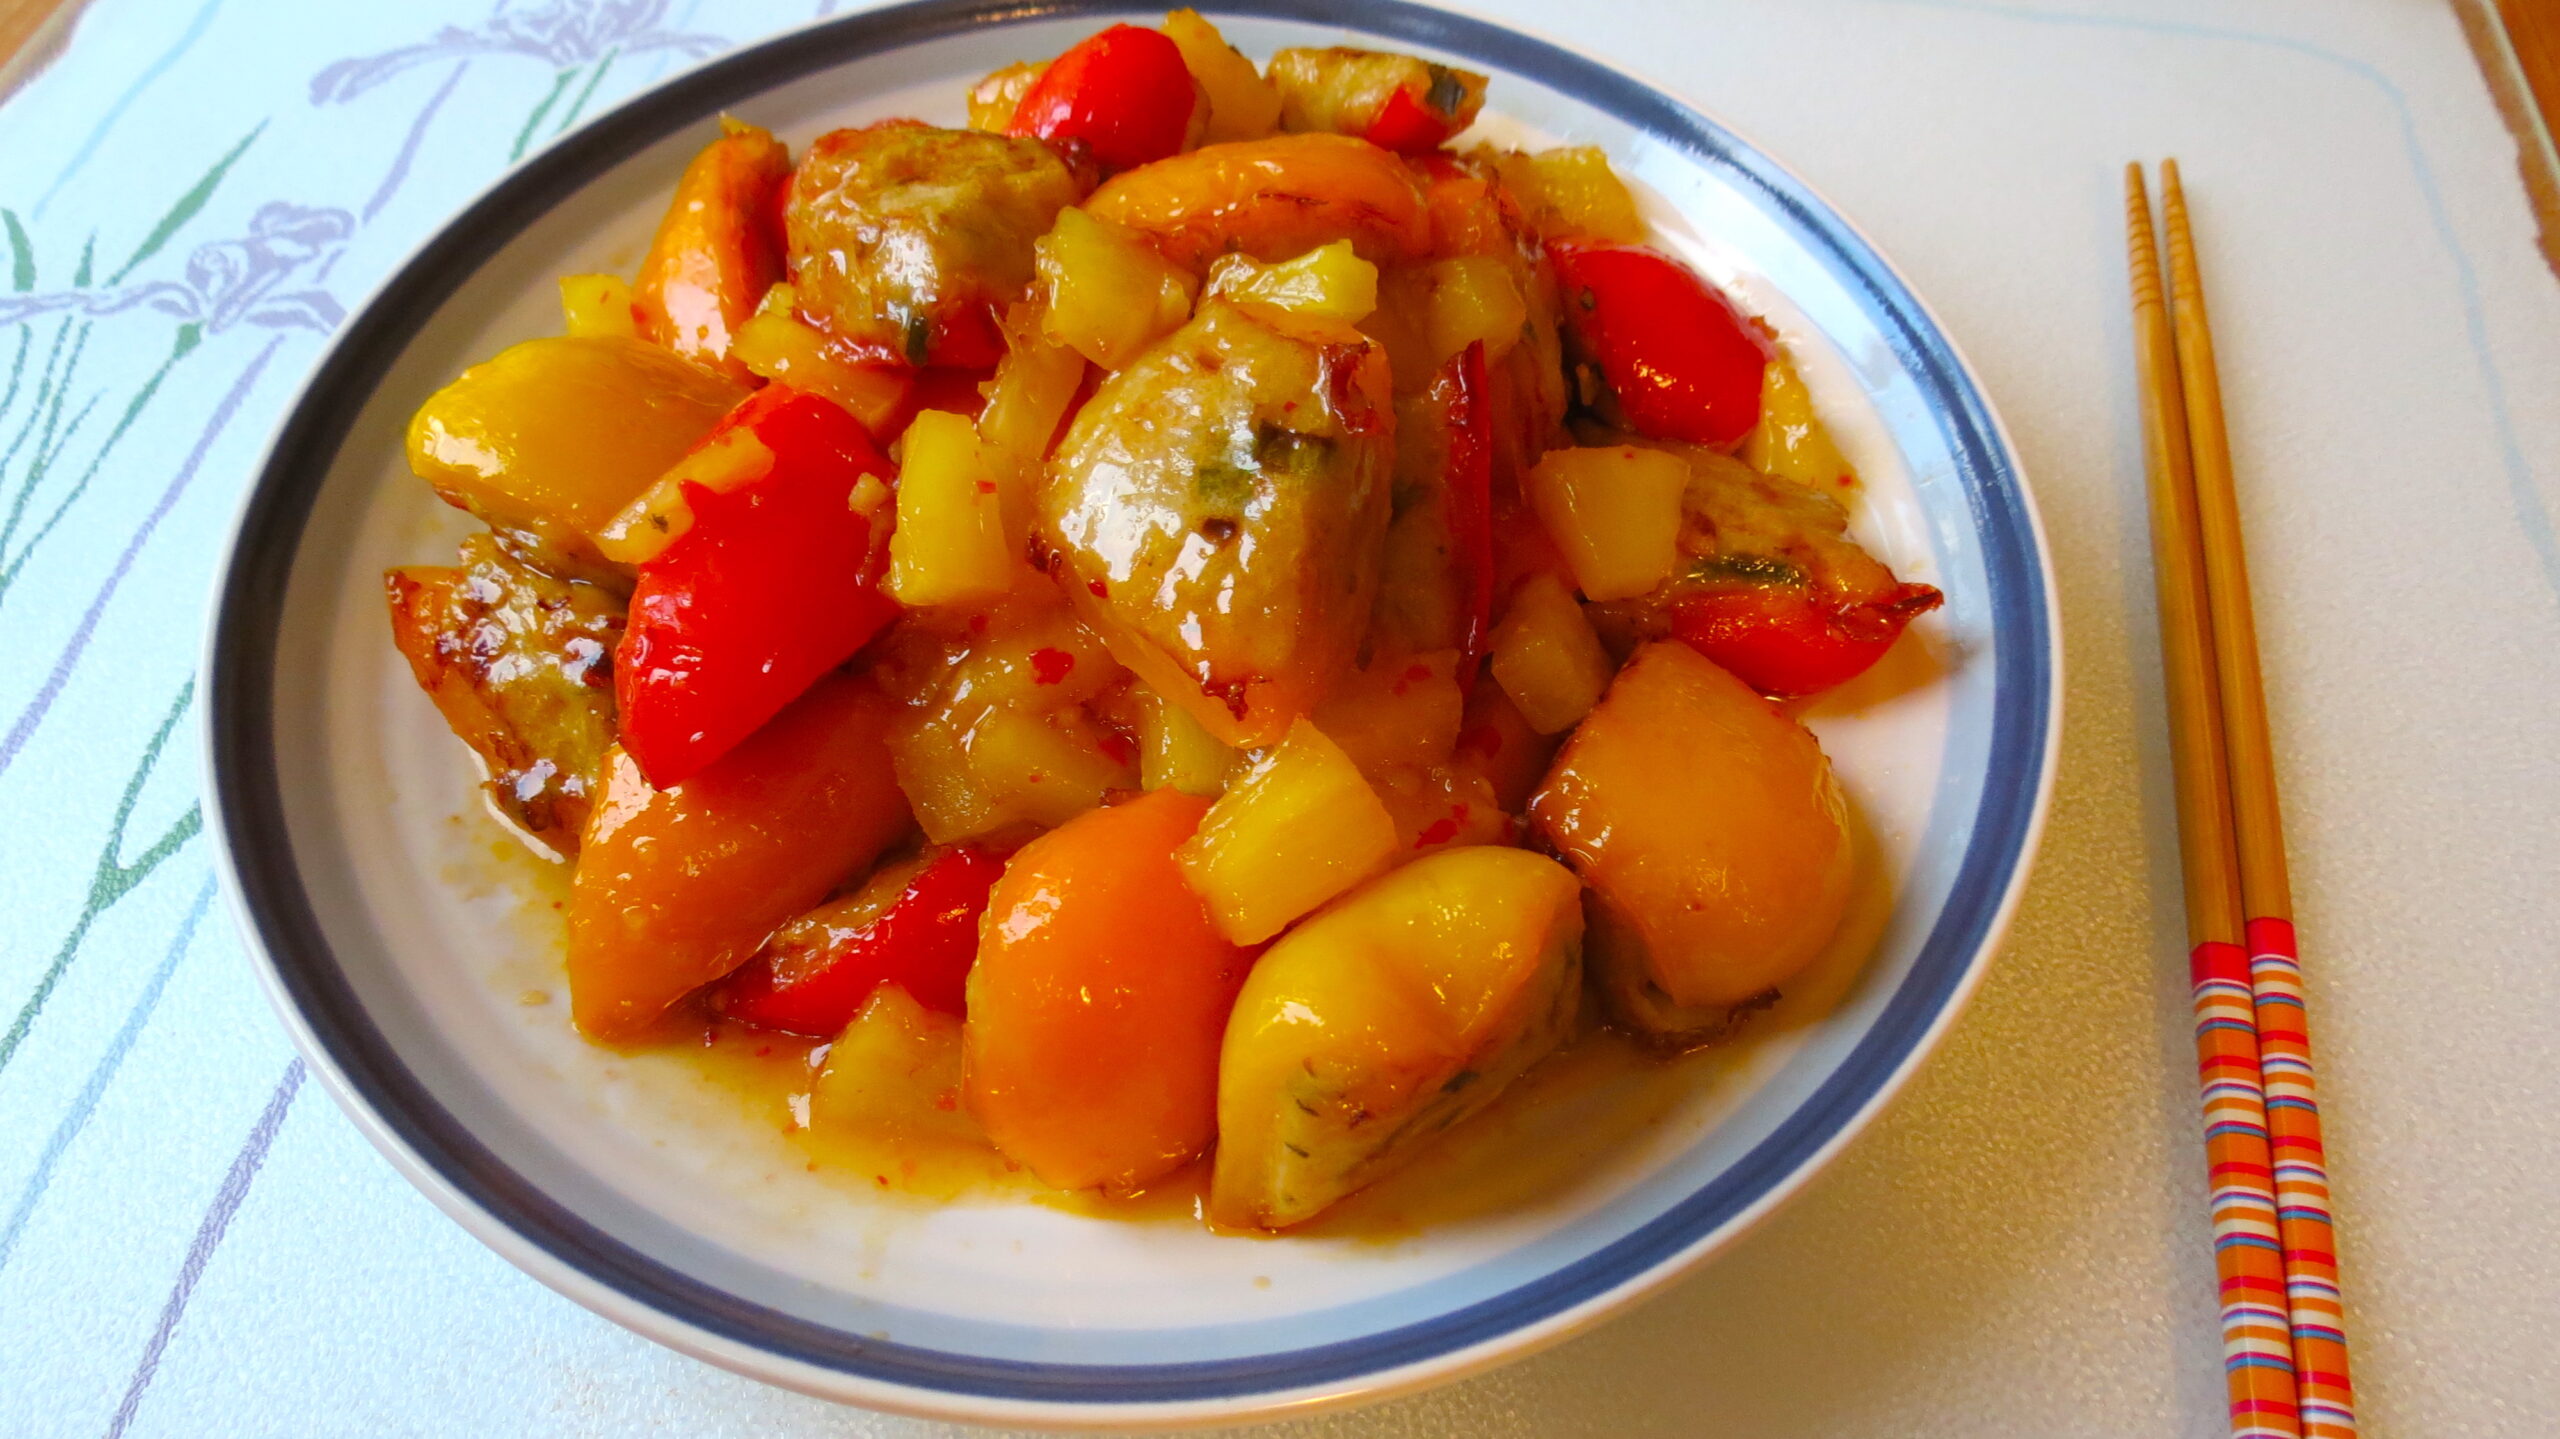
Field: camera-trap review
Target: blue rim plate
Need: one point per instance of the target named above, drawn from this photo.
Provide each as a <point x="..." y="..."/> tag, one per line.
<point x="275" y="733"/>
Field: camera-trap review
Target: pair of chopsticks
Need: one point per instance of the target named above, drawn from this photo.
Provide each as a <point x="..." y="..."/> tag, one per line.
<point x="2283" y="1327"/>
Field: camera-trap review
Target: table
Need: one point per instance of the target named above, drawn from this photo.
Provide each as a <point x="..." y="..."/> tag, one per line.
<point x="193" y="1241"/>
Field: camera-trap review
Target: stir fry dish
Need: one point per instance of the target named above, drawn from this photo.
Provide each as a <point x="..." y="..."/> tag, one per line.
<point x="1192" y="625"/>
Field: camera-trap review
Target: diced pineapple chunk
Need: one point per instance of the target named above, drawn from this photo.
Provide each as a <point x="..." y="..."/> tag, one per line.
<point x="1110" y="294"/>
<point x="660" y="515"/>
<point x="1572" y="192"/>
<point x="777" y="344"/>
<point x="1329" y="280"/>
<point x="1428" y="313"/>
<point x="1435" y="806"/>
<point x="996" y="732"/>
<point x="893" y="1075"/>
<point x="1034" y="384"/>
<point x="1176" y="752"/>
<point x="949" y="546"/>
<point x="1790" y="441"/>
<point x="597" y="305"/>
<point x="1054" y="769"/>
<point x="1048" y="663"/>
<point x="999" y="767"/>
<point x="1473" y="297"/>
<point x="1546" y="657"/>
<point x="1297" y="828"/>
<point x="993" y="100"/>
<point x="1399" y="710"/>
<point x="1242" y="105"/>
<point x="1614" y="512"/>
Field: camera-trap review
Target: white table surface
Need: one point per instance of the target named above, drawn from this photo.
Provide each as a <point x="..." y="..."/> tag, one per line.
<point x="192" y="1242"/>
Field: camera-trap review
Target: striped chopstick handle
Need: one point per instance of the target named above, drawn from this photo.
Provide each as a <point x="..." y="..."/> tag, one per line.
<point x="2318" y="1317"/>
<point x="2248" y="1247"/>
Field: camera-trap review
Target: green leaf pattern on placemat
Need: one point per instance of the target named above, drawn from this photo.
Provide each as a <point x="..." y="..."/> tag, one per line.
<point x="197" y="215"/>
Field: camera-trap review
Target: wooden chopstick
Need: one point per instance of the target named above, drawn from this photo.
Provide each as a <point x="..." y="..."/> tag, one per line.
<point x="2257" y="1338"/>
<point x="2326" y="1395"/>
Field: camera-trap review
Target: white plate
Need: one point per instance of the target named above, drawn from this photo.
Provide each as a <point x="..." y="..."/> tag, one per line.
<point x="401" y="957"/>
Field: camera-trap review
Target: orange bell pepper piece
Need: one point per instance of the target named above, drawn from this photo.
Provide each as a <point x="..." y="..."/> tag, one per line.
<point x="676" y="887"/>
<point x="1098" y="1001"/>
<point x="718" y="249"/>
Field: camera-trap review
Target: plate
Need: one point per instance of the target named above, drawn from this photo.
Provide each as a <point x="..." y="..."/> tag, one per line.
<point x="420" y="979"/>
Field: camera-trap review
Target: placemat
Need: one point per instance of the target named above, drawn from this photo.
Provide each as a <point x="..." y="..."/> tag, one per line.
<point x="194" y="1242"/>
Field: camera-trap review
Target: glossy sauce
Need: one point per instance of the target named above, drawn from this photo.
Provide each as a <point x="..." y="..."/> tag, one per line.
<point x="1586" y="1113"/>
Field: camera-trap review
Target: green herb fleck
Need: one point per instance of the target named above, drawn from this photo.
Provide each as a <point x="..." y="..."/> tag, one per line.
<point x="1290" y="452"/>
<point x="1749" y="569"/>
<point x="1223" y="485"/>
<point x="1447" y="91"/>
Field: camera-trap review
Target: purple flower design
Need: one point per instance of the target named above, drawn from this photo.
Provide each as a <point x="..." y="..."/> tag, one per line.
<point x="226" y="282"/>
<point x="564" y="34"/>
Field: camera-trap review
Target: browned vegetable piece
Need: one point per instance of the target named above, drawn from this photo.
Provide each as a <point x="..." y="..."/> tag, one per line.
<point x="1422" y="588"/>
<point x="1740" y="528"/>
<point x="678" y="886"/>
<point x="521" y="665"/>
<point x="1713" y="838"/>
<point x="717" y="250"/>
<point x="1273" y="199"/>
<point x="1567" y="193"/>
<point x="1403" y="102"/>
<point x="1483" y="278"/>
<point x="1218" y="510"/>
<point x="905" y="238"/>
<point x="1475" y="213"/>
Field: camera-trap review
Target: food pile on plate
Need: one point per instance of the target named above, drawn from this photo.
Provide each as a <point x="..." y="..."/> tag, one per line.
<point x="1191" y="616"/>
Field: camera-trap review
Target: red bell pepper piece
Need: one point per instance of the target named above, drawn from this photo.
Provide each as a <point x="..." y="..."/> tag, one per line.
<point x="1791" y="640"/>
<point x="1408" y="125"/>
<point x="1684" y="363"/>
<point x="1124" y="93"/>
<point x="1470" y="481"/>
<point x="776" y="583"/>
<point x="814" y="977"/>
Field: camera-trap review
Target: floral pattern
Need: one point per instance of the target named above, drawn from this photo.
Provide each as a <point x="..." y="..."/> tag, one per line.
<point x="142" y="333"/>
<point x="565" y="33"/>
<point x="226" y="281"/>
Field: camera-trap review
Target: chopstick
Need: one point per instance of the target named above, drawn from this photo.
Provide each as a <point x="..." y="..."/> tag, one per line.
<point x="2312" y="1296"/>
<point x="2248" y="1259"/>
<point x="2284" y="1341"/>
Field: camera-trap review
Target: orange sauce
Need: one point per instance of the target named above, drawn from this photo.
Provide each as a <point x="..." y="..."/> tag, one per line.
<point x="1560" y="1128"/>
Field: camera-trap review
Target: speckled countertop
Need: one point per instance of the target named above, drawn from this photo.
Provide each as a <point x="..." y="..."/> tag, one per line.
<point x="194" y="1242"/>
